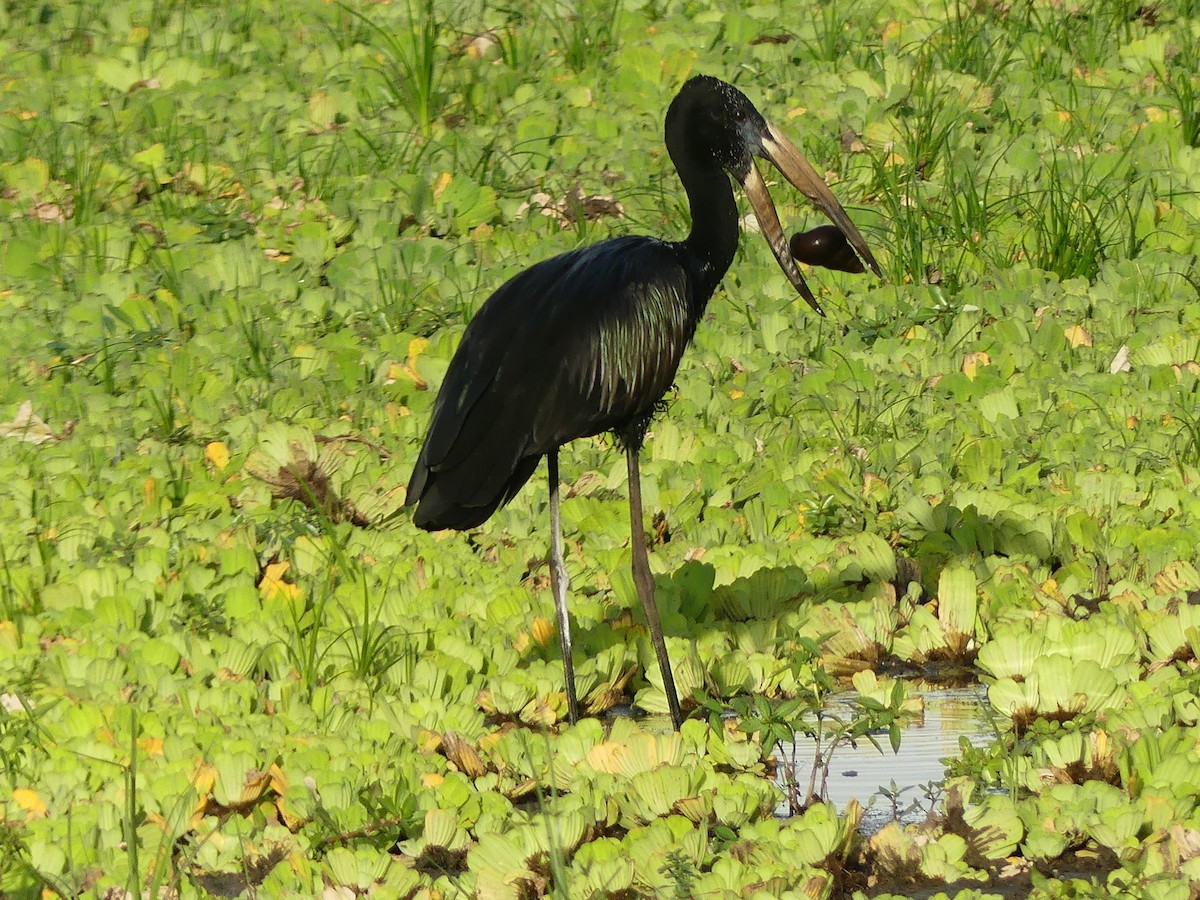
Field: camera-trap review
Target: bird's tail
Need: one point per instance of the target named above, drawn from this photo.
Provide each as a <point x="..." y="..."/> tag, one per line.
<point x="436" y="511"/>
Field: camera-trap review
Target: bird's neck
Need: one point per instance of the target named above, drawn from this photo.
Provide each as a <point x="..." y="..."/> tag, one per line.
<point x="713" y="240"/>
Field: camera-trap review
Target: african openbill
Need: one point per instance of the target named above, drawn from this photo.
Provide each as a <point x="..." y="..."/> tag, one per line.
<point x="589" y="341"/>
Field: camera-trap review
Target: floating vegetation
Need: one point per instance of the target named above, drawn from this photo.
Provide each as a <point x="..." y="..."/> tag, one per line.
<point x="238" y="247"/>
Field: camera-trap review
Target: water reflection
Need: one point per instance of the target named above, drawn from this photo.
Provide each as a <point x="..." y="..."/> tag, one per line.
<point x="859" y="772"/>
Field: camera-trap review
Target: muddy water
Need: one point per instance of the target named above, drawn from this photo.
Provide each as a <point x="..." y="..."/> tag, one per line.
<point x="859" y="772"/>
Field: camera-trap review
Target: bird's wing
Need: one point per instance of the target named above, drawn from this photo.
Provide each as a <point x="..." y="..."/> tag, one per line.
<point x="570" y="347"/>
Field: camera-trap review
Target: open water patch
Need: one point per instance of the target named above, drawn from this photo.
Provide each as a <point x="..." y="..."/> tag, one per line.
<point x="902" y="786"/>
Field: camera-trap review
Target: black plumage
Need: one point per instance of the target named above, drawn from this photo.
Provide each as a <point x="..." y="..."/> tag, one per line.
<point x="589" y="341"/>
<point x="555" y="354"/>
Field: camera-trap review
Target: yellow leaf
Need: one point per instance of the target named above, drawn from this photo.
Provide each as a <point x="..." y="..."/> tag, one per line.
<point x="279" y="780"/>
<point x="151" y="746"/>
<point x="542" y="630"/>
<point x="491" y="740"/>
<point x="204" y="778"/>
<point x="33" y="805"/>
<point x="439" y="186"/>
<point x="428" y="741"/>
<point x="254" y="787"/>
<point x="409" y="371"/>
<point x="735" y="394"/>
<point x="604" y="757"/>
<point x="872" y="484"/>
<point x="292" y="821"/>
<point x="1050" y="588"/>
<point x="1078" y="336"/>
<point x="1178" y="576"/>
<point x="972" y="362"/>
<point x="217" y="453"/>
<point x="274" y="587"/>
<point x="1130" y="599"/>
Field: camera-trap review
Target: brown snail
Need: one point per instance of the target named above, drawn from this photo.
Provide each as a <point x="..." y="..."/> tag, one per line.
<point x="827" y="247"/>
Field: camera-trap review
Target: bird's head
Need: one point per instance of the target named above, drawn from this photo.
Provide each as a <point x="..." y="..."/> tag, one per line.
<point x="722" y="127"/>
<point x="720" y="122"/>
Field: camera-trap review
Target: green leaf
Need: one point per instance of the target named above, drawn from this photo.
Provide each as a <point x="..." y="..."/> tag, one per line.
<point x="958" y="600"/>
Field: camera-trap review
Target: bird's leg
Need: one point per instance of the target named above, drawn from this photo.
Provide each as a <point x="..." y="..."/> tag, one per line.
<point x="559" y="584"/>
<point x="645" y="583"/>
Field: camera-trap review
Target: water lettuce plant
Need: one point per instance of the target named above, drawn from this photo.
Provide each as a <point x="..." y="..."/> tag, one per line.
<point x="238" y="247"/>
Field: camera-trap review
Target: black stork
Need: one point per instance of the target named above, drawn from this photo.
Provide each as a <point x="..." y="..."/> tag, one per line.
<point x="589" y="341"/>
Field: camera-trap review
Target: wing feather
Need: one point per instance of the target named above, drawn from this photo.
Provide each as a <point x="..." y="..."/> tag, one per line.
<point x="573" y="346"/>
